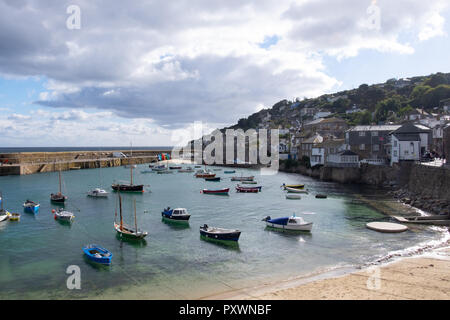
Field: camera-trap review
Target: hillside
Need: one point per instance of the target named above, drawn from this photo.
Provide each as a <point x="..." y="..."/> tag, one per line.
<point x="378" y="103"/>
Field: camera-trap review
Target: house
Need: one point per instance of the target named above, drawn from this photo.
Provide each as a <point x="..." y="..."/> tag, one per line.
<point x="321" y="151"/>
<point x="344" y="158"/>
<point x="417" y="114"/>
<point x="354" y="109"/>
<point x="307" y="112"/>
<point x="446" y="143"/>
<point x="409" y="142"/>
<point x="370" y="142"/>
<point x="327" y="126"/>
<point x="317" y="155"/>
<point x="322" y="114"/>
<point x="305" y="147"/>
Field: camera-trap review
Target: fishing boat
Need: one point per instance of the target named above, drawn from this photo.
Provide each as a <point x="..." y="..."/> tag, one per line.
<point x="159" y="168"/>
<point x="175" y="167"/>
<point x="294" y="186"/>
<point x="219" y="233"/>
<point x="178" y="214"/>
<point x="128" y="187"/>
<point x="188" y="169"/>
<point x="321" y="196"/>
<point x="14" y="217"/>
<point x="97" y="254"/>
<point x="31" y="206"/>
<point x="249" y="182"/>
<point x="213" y="179"/>
<point x="288" y="223"/>
<point x="293" y="190"/>
<point x="58" y="197"/>
<point x="293" y="196"/>
<point x="98" y="193"/>
<point x="124" y="230"/>
<point x="248" y="189"/>
<point x="221" y="192"/>
<point x="204" y="174"/>
<point x="242" y="178"/>
<point x="63" y="215"/>
<point x="229" y="171"/>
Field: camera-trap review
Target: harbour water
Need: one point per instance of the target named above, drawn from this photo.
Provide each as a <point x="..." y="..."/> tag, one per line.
<point x="174" y="262"/>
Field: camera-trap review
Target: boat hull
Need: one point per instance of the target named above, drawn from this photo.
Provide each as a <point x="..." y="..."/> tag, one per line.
<point x="104" y="258"/>
<point x="213" y="179"/>
<point x="183" y="218"/>
<point x="304" y="227"/>
<point x="242" y="178"/>
<point x="232" y="236"/>
<point x="32" y="209"/>
<point x="129" y="233"/>
<point x="223" y="192"/>
<point x="128" y="188"/>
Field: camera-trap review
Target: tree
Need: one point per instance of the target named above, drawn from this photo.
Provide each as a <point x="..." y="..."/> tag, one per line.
<point x="383" y="107"/>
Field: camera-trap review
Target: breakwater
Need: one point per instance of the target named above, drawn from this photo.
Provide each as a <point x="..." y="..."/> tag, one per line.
<point x="36" y="162"/>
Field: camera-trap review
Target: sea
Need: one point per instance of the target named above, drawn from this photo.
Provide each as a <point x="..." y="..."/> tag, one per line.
<point x="38" y="253"/>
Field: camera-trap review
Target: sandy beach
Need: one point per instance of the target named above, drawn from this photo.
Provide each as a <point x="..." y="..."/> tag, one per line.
<point x="425" y="277"/>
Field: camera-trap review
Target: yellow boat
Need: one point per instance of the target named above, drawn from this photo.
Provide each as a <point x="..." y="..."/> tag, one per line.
<point x="14" y="217"/>
<point x="295" y="186"/>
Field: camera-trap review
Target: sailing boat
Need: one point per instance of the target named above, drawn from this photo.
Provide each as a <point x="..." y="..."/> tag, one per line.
<point x="128" y="187"/>
<point x="58" y="197"/>
<point x="98" y="192"/>
<point x="124" y="230"/>
<point x="4" y="214"/>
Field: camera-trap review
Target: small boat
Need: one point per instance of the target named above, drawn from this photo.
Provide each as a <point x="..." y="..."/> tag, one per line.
<point x="128" y="187"/>
<point x="321" y="196"/>
<point x="31" y="206"/>
<point x="151" y="165"/>
<point x="164" y="172"/>
<point x="229" y="171"/>
<point x="217" y="169"/>
<point x="126" y="231"/>
<point x="219" y="233"/>
<point x="292" y="196"/>
<point x="213" y="179"/>
<point x="216" y="192"/>
<point x="128" y="166"/>
<point x="188" y="169"/>
<point x="293" y="190"/>
<point x="178" y="214"/>
<point x="175" y="167"/>
<point x="248" y="189"/>
<point x="204" y="174"/>
<point x="159" y="168"/>
<point x="288" y="223"/>
<point x="4" y="214"/>
<point x="197" y="166"/>
<point x="242" y="178"/>
<point x="249" y="182"/>
<point x="63" y="215"/>
<point x="294" y="186"/>
<point x="74" y="168"/>
<point x="14" y="217"/>
<point x="58" y="197"/>
<point x="98" y="193"/>
<point x="97" y="254"/>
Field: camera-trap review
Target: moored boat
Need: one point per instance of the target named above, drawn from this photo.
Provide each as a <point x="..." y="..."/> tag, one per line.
<point x="58" y="197"/>
<point x="219" y="233"/>
<point x="216" y="192"/>
<point x="248" y="189"/>
<point x="175" y="167"/>
<point x="4" y="214"/>
<point x="98" y="193"/>
<point x="177" y="214"/>
<point x="250" y="178"/>
<point x="63" y="215"/>
<point x="126" y="231"/>
<point x="97" y="254"/>
<point x="14" y="217"/>
<point x="294" y="190"/>
<point x="321" y="196"/>
<point x="31" y="206"/>
<point x="288" y="223"/>
<point x="293" y="196"/>
<point x="213" y="179"/>
<point x="204" y="174"/>
<point x="294" y="186"/>
<point x="229" y="171"/>
<point x="188" y="169"/>
<point x="249" y="182"/>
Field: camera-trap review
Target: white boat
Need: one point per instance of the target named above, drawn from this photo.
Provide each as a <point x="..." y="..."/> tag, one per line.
<point x="294" y="190"/>
<point x="289" y="223"/>
<point x="128" y="166"/>
<point x="63" y="215"/>
<point x="4" y="214"/>
<point x="98" y="193"/>
<point x="293" y="196"/>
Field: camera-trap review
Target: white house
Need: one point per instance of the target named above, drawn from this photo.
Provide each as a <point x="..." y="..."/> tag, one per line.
<point x="322" y="114"/>
<point x="345" y="158"/>
<point x="317" y="155"/>
<point x="409" y="142"/>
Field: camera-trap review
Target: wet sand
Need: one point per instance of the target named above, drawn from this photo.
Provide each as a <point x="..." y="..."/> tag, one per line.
<point x="415" y="278"/>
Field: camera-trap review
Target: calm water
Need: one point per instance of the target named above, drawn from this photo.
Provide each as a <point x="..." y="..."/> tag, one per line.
<point x="174" y="262"/>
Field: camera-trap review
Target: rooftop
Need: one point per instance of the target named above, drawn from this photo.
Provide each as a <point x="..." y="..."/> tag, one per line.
<point x="387" y="127"/>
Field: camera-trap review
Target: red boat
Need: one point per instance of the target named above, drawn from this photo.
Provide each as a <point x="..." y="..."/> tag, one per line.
<point x="205" y="175"/>
<point x="248" y="189"/>
<point x="221" y="192"/>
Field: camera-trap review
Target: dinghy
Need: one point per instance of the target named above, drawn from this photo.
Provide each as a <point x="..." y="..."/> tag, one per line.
<point x="14" y="217"/>
<point x="289" y="223"/>
<point x="295" y="186"/>
<point x="178" y="214"/>
<point x="248" y="189"/>
<point x="63" y="215"/>
<point x="97" y="254"/>
<point x="219" y="233"/>
<point x="293" y="190"/>
<point x="98" y="193"/>
<point x="229" y="171"/>
<point x="293" y="196"/>
<point x="31" y="206"/>
<point x="220" y="192"/>
<point x="213" y="179"/>
<point x="204" y="174"/>
<point x="242" y="178"/>
<point x="321" y="196"/>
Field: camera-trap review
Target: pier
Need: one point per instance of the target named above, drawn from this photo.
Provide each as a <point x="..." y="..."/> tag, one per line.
<point x="37" y="162"/>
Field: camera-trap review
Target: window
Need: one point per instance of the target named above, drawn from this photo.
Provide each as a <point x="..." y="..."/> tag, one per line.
<point x="374" y="133"/>
<point x="362" y="147"/>
<point x="362" y="134"/>
<point x="376" y="147"/>
<point x="395" y="143"/>
<point x="395" y="153"/>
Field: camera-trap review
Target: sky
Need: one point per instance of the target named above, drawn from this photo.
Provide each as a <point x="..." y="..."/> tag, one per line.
<point x="105" y="73"/>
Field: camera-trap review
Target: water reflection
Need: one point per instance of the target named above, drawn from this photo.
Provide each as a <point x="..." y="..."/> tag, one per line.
<point x="230" y="245"/>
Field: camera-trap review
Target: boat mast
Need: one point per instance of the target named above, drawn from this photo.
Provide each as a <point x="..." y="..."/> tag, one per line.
<point x="135" y="221"/>
<point x="59" y="174"/>
<point x="130" y="164"/>
<point x="121" y="218"/>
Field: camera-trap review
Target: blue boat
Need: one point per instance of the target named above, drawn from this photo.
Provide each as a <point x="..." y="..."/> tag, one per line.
<point x="97" y="254"/>
<point x="229" y="171"/>
<point x="31" y="206"/>
<point x="178" y="214"/>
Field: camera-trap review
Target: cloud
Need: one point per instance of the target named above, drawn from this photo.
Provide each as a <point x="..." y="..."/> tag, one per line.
<point x="215" y="61"/>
